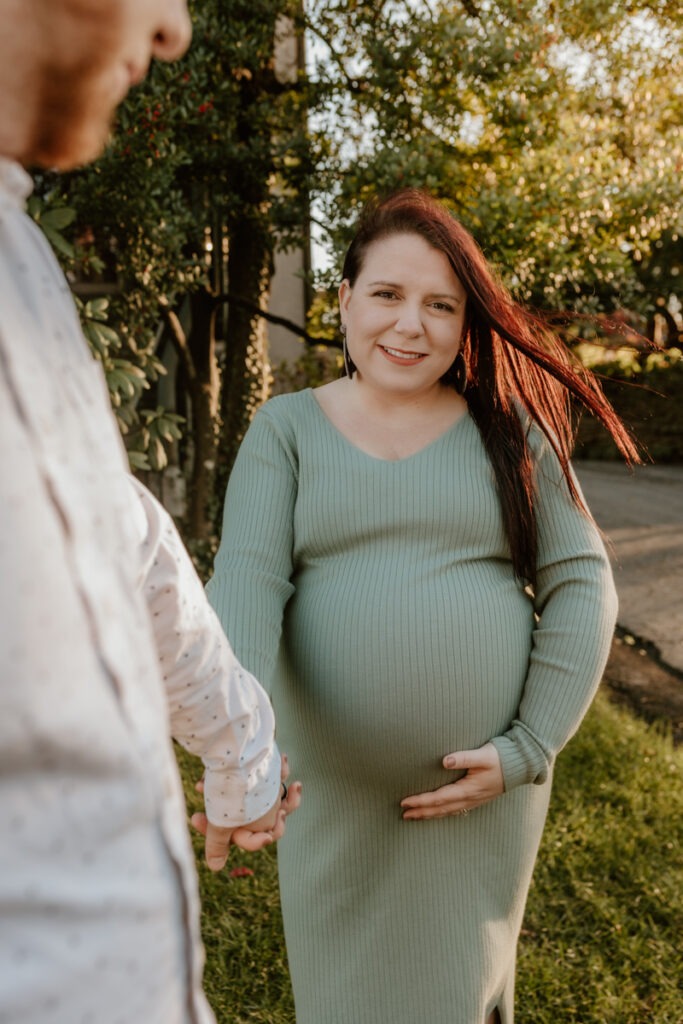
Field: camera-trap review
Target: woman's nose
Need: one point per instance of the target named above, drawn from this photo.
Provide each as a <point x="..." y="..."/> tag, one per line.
<point x="174" y="31"/>
<point x="409" y="322"/>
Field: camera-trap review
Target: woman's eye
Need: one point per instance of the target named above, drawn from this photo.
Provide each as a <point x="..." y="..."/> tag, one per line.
<point x="442" y="307"/>
<point x="385" y="295"/>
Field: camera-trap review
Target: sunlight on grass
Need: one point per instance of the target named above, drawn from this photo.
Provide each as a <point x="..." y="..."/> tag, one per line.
<point x="601" y="937"/>
<point x="605" y="912"/>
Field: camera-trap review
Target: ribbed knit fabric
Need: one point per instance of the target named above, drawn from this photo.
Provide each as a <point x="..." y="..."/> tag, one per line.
<point x="376" y="602"/>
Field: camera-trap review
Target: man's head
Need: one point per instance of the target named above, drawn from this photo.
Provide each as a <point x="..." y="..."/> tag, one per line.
<point x="66" y="64"/>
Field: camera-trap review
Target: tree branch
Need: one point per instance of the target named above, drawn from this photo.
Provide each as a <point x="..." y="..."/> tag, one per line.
<point x="179" y="338"/>
<point x="280" y="321"/>
<point x="354" y="84"/>
<point x="471" y="9"/>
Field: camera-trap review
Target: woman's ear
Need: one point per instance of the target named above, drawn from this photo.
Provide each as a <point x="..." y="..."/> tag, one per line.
<point x="344" y="295"/>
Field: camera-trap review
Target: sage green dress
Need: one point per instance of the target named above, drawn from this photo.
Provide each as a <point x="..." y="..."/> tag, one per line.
<point x="376" y="602"/>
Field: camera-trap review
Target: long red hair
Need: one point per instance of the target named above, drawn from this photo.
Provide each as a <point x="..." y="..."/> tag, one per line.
<point x="514" y="361"/>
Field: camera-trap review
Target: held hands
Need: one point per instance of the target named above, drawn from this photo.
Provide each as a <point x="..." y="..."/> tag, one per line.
<point x="483" y="782"/>
<point x="254" y="836"/>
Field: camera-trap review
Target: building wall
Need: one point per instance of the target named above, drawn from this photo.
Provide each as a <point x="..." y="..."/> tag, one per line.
<point x="287" y="299"/>
<point x="288" y="289"/>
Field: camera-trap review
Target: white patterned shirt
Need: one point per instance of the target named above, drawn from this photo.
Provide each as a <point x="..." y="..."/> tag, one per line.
<point x="108" y="647"/>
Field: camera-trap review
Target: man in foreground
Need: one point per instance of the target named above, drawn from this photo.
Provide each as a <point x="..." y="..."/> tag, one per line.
<point x="108" y="644"/>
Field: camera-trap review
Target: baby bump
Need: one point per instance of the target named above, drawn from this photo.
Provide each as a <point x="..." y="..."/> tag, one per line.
<point x="377" y="671"/>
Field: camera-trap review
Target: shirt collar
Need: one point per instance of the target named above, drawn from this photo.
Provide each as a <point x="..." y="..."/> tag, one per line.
<point x="16" y="184"/>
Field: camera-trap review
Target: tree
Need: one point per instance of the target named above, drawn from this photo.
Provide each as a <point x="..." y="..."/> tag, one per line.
<point x="552" y="130"/>
<point x="207" y="172"/>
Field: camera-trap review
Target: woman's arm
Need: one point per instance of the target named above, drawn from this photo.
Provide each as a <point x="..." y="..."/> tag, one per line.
<point x="576" y="604"/>
<point x="252" y="574"/>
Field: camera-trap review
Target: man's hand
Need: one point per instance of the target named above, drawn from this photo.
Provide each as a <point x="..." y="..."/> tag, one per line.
<point x="483" y="782"/>
<point x="254" y="836"/>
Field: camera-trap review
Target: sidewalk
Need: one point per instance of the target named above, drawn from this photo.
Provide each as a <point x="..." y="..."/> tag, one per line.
<point x="641" y="514"/>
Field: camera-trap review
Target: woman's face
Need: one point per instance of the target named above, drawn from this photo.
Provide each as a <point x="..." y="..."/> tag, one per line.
<point x="404" y="315"/>
<point x="92" y="52"/>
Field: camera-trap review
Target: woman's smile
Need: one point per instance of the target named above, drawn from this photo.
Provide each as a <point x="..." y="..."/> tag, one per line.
<point x="401" y="356"/>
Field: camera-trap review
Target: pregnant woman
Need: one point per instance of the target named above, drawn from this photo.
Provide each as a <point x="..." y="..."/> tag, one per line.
<point x="408" y="567"/>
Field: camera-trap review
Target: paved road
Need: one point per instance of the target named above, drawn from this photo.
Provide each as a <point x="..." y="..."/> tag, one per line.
<point x="642" y="515"/>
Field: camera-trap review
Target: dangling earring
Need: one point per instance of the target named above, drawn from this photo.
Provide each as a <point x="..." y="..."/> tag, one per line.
<point x="349" y="365"/>
<point x="457" y="374"/>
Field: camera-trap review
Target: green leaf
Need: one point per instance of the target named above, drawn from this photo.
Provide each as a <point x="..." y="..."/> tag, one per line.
<point x="57" y="219"/>
<point x="157" y="455"/>
<point x="97" y="309"/>
<point x="138" y="460"/>
<point x="57" y="241"/>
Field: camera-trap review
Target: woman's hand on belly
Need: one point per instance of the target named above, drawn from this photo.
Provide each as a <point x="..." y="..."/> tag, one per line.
<point x="482" y="783"/>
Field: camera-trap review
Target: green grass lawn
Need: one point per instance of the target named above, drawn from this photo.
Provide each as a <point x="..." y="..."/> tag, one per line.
<point x="603" y="931"/>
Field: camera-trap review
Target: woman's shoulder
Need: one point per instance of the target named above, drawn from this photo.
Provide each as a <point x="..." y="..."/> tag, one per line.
<point x="537" y="435"/>
<point x="285" y="417"/>
<point x="287" y="402"/>
<point x="287" y="409"/>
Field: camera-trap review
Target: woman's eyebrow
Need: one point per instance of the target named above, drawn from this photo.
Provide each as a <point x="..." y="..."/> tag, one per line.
<point x="432" y="295"/>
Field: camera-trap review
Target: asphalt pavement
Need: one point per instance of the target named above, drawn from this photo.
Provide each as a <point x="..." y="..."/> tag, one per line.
<point x="641" y="515"/>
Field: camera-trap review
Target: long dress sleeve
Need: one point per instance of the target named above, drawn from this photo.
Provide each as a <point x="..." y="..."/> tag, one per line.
<point x="252" y="574"/>
<point x="217" y="710"/>
<point x="576" y="608"/>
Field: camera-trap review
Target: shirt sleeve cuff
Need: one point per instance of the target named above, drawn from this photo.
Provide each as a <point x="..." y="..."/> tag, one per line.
<point x="234" y="798"/>
<point x="523" y="759"/>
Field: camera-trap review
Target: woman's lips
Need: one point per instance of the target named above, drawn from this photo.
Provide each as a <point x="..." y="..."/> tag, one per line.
<point x="401" y="357"/>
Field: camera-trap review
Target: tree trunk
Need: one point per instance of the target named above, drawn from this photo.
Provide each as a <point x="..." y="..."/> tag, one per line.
<point x="204" y="389"/>
<point x="246" y="373"/>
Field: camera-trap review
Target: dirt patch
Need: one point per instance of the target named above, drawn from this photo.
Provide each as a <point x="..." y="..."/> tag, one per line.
<point x="636" y="677"/>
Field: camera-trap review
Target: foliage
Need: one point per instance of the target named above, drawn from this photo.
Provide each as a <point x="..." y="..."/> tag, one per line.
<point x="605" y="912"/>
<point x="648" y="395"/>
<point x="53" y="219"/>
<point x="206" y="172"/>
<point x="552" y="130"/>
<point x="149" y="431"/>
<point x="628" y="364"/>
<point x="318" y="365"/>
<point x="129" y="369"/>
